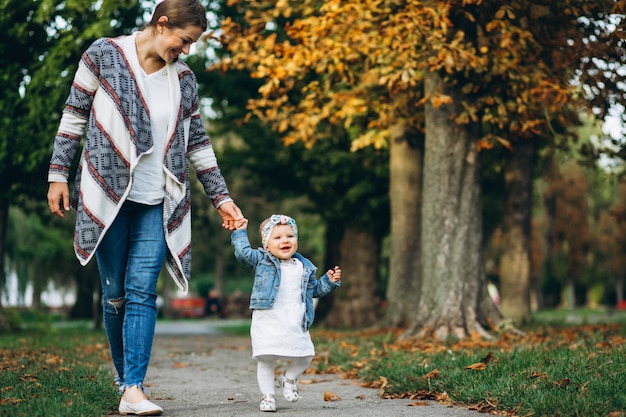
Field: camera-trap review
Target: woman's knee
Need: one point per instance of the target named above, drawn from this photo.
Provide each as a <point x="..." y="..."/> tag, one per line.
<point x="114" y="305"/>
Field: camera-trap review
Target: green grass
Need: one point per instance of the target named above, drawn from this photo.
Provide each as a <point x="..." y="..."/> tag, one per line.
<point x="55" y="373"/>
<point x="237" y="328"/>
<point x="552" y="370"/>
<point x="555" y="371"/>
<point x="580" y="316"/>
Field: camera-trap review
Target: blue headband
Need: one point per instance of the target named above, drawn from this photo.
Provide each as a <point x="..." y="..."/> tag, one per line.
<point x="276" y="219"/>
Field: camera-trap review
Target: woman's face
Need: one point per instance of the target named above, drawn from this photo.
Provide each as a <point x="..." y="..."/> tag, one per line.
<point x="175" y="41"/>
<point x="282" y="242"/>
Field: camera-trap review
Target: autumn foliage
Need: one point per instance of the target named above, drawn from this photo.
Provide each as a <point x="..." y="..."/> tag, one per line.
<point x="361" y="65"/>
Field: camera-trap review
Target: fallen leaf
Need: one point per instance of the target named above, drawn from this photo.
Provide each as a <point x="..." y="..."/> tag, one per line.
<point x="330" y="396"/>
<point x="479" y="366"/>
<point x="443" y="397"/>
<point x="179" y="365"/>
<point x="383" y="384"/>
<point x="312" y="381"/>
<point x="563" y="382"/>
<point x="11" y="401"/>
<point x="418" y="404"/>
<point x="432" y="374"/>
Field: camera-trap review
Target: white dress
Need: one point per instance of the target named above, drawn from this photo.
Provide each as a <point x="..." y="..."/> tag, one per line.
<point x="278" y="331"/>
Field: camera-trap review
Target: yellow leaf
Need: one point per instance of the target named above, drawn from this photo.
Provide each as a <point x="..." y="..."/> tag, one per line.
<point x="432" y="374"/>
<point x="440" y="99"/>
<point x="479" y="366"/>
<point x="331" y="396"/>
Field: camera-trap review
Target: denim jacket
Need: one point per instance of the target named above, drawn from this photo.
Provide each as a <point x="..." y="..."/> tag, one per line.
<point x="267" y="277"/>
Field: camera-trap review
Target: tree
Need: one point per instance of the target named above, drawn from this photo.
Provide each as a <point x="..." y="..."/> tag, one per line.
<point x="499" y="72"/>
<point x="346" y="189"/>
<point x="610" y="240"/>
<point x="570" y="226"/>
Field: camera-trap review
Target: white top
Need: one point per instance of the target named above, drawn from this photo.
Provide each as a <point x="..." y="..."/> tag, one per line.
<point x="279" y="331"/>
<point x="149" y="176"/>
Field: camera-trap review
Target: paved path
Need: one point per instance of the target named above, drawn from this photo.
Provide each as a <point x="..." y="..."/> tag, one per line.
<point x="198" y="372"/>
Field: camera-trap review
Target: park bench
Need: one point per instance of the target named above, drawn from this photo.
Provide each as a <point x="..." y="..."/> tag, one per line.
<point x="187" y="307"/>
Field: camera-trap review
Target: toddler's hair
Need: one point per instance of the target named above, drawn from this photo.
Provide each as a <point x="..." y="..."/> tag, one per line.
<point x="265" y="229"/>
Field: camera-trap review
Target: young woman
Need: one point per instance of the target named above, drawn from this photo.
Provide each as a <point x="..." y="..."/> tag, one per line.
<point x="137" y="106"/>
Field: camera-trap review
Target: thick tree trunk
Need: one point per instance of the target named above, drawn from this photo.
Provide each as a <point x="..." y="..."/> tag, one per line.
<point x="405" y="188"/>
<point x="453" y="282"/>
<point x="355" y="303"/>
<point x="515" y="260"/>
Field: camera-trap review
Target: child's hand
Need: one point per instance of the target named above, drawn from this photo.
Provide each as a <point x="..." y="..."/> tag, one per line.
<point x="241" y="224"/>
<point x="334" y="274"/>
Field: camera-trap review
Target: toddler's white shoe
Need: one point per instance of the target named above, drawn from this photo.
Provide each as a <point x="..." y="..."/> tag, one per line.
<point x="290" y="388"/>
<point x="268" y="403"/>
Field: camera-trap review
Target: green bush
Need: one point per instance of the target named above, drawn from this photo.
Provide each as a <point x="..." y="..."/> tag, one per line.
<point x="13" y="319"/>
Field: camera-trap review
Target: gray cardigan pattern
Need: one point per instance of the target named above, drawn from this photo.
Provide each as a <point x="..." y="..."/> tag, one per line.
<point x="106" y="101"/>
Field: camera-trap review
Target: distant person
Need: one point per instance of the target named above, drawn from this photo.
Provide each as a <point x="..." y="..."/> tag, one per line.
<point x="281" y="303"/>
<point x="138" y="107"/>
<point x="213" y="304"/>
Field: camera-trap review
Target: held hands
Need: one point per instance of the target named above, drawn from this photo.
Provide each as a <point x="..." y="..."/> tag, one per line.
<point x="334" y="274"/>
<point x="231" y="215"/>
<point x="241" y="224"/>
<point x="59" y="198"/>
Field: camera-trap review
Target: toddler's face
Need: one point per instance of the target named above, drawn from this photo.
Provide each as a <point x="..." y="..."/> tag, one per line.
<point x="282" y="242"/>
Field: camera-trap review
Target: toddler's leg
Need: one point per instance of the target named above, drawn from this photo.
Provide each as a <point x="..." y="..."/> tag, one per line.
<point x="265" y="378"/>
<point x="297" y="367"/>
<point x="265" y="375"/>
<point x="289" y="381"/>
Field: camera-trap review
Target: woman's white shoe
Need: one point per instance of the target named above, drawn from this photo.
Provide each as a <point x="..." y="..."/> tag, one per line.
<point x="144" y="408"/>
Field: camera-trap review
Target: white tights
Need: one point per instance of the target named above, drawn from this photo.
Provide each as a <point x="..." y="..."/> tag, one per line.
<point x="265" y="371"/>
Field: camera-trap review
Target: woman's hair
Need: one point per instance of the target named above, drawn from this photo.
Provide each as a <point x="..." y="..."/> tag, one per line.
<point x="180" y="13"/>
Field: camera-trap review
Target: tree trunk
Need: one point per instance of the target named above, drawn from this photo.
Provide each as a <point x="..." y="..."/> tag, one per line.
<point x="219" y="260"/>
<point x="332" y="256"/>
<point x="355" y="303"/>
<point x="97" y="307"/>
<point x="453" y="289"/>
<point x="86" y="279"/>
<point x="516" y="227"/>
<point x="4" y="219"/>
<point x="38" y="289"/>
<point x="405" y="188"/>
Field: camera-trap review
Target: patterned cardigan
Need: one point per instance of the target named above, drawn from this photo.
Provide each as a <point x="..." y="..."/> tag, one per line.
<point x="107" y="102"/>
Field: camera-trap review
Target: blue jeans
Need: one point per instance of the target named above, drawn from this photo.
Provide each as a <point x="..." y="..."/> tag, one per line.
<point x="130" y="257"/>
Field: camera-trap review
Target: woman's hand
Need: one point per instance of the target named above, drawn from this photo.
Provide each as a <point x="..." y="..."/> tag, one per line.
<point x="231" y="214"/>
<point x="59" y="198"/>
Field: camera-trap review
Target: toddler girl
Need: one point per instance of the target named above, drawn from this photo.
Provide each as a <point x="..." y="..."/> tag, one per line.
<point x="281" y="303"/>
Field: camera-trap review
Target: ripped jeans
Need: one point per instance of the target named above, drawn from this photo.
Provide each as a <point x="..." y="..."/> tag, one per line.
<point x="130" y="257"/>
